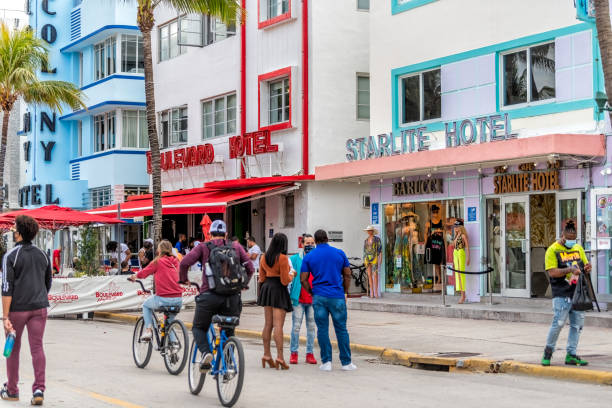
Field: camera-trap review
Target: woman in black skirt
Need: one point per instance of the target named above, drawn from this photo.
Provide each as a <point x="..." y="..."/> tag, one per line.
<point x="275" y="273"/>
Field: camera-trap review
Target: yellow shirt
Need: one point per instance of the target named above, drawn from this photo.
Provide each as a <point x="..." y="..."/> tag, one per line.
<point x="558" y="257"/>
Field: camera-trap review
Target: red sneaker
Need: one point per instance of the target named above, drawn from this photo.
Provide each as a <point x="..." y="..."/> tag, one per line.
<point x="310" y="359"/>
<point x="294" y="358"/>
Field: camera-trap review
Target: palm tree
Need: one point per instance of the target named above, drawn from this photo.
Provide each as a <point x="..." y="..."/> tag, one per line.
<point x="226" y="10"/>
<point x="604" y="34"/>
<point x="22" y="55"/>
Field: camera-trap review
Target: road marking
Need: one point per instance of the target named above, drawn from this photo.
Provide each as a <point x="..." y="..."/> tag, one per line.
<point x="113" y="401"/>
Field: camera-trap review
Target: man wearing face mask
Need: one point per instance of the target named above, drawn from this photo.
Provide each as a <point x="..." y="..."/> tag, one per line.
<point x="302" y="305"/>
<point x="565" y="260"/>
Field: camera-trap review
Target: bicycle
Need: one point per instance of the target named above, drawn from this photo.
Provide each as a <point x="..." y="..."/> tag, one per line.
<point x="227" y="365"/>
<point x="170" y="339"/>
<point x="359" y="274"/>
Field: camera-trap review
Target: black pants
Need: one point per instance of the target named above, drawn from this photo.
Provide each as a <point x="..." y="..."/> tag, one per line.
<point x="209" y="304"/>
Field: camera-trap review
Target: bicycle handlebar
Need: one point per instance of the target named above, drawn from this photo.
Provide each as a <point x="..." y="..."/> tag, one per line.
<point x="145" y="290"/>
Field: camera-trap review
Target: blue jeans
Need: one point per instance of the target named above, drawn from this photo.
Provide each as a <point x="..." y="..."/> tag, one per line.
<point x="562" y="308"/>
<point x="297" y="316"/>
<point x="323" y="307"/>
<point x="155" y="302"/>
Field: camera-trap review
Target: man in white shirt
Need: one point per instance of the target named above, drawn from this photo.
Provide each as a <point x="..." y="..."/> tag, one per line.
<point x="254" y="252"/>
<point x="118" y="252"/>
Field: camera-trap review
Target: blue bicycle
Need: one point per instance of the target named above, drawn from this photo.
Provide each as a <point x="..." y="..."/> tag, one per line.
<point x="227" y="364"/>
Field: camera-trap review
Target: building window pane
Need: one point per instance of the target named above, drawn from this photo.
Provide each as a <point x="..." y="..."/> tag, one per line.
<point x="104" y="58"/>
<point x="164" y="51"/>
<point x="279" y="101"/>
<point x="219" y="117"/>
<point x="207" y="120"/>
<point x="134" y="133"/>
<point x="432" y="96"/>
<point x="277" y="8"/>
<point x="104" y="131"/>
<point x="143" y="130"/>
<point x="363" y="4"/>
<point x="289" y="207"/>
<point x="169" y="40"/>
<point x="412" y="99"/>
<point x="178" y="125"/>
<point x="363" y="97"/>
<point x="190" y="30"/>
<point x="231" y="114"/>
<point x="542" y="63"/>
<point x="515" y="78"/>
<point x="132" y="58"/>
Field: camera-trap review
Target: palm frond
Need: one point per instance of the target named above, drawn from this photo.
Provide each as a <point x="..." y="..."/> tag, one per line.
<point x="54" y="94"/>
<point x="227" y="10"/>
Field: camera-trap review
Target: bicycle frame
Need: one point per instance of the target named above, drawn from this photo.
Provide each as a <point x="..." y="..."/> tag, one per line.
<point x="219" y="366"/>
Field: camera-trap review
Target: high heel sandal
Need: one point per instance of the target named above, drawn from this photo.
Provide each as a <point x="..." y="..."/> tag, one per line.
<point x="281" y="364"/>
<point x="269" y="361"/>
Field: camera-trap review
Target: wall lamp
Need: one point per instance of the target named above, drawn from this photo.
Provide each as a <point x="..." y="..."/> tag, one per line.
<point x="601" y="99"/>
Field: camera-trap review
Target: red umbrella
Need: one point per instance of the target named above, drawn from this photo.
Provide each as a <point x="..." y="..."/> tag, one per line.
<point x="53" y="217"/>
<point x="206" y="223"/>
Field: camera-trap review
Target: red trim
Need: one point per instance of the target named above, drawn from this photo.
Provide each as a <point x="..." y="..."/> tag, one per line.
<point x="255" y="182"/>
<point x="305" y="100"/>
<point x="279" y="73"/>
<point x="243" y="83"/>
<point x="272" y="21"/>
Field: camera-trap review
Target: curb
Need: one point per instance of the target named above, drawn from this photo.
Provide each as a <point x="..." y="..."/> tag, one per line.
<point x="416" y="360"/>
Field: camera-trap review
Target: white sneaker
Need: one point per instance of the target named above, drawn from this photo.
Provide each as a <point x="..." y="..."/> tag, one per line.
<point x="349" y="367"/>
<point x="326" y="366"/>
<point x="147" y="335"/>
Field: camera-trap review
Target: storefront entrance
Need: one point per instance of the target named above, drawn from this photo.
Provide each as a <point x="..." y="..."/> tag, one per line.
<point x="519" y="229"/>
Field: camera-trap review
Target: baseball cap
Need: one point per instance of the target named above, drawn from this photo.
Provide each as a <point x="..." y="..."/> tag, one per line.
<point x="218" y="226"/>
<point x="149" y="240"/>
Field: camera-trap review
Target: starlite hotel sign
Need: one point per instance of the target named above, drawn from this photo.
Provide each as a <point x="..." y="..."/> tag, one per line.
<point x="457" y="133"/>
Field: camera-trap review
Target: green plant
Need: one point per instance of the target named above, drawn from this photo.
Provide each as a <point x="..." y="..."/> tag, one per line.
<point x="89" y="259"/>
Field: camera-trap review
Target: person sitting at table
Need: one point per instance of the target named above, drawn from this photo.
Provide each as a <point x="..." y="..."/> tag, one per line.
<point x="113" y="268"/>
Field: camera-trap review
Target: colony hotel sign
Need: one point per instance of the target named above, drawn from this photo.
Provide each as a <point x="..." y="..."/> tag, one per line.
<point x="459" y="133"/>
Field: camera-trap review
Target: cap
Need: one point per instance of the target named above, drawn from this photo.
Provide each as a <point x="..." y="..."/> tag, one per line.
<point x="458" y="222"/>
<point x="218" y="226"/>
<point x="149" y="240"/>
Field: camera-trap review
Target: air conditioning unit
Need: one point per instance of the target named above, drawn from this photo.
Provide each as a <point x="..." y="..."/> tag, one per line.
<point x="365" y="200"/>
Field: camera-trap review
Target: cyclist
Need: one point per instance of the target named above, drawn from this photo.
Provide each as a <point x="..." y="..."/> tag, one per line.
<point x="208" y="302"/>
<point x="167" y="290"/>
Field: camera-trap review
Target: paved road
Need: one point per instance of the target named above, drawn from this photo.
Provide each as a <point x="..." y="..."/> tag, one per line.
<point x="90" y="365"/>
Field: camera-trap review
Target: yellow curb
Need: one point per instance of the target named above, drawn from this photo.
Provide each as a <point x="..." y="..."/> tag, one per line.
<point x="410" y="359"/>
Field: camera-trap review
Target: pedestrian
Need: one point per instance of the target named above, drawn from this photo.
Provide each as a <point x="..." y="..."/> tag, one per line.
<point x="302" y="306"/>
<point x="331" y="279"/>
<point x="126" y="268"/>
<point x="564" y="261"/>
<point x="26" y="281"/>
<point x="254" y="252"/>
<point x="118" y="252"/>
<point x="275" y="274"/>
<point x="168" y="292"/>
<point x="145" y="254"/>
<point x="209" y="302"/>
<point x="181" y="243"/>
<point x="57" y="253"/>
<point x="372" y="255"/>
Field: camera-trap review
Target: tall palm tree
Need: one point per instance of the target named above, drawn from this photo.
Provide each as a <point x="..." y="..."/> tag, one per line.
<point x="604" y="34"/>
<point x="21" y="56"/>
<point x="226" y="10"/>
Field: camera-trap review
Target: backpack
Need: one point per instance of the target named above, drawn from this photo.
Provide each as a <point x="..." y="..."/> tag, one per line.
<point x="228" y="274"/>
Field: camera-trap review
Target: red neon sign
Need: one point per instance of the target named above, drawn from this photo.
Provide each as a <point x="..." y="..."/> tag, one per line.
<point x="250" y="144"/>
<point x="184" y="157"/>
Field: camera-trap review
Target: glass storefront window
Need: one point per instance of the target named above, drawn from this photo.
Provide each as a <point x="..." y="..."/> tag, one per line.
<point x="408" y="227"/>
<point x="604" y="235"/>
<point x="494" y="243"/>
<point x="568" y="211"/>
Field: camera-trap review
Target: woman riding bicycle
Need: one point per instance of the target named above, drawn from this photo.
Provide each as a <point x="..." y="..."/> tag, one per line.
<point x="168" y="292"/>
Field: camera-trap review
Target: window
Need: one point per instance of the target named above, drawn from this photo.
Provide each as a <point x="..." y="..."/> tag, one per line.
<point x="104" y="132"/>
<point x="277" y="8"/>
<point x="173" y="127"/>
<point x="134" y="190"/>
<point x="289" y="210"/>
<point x="80" y="69"/>
<point x="79" y="138"/>
<point x="100" y="196"/>
<point x="134" y="132"/>
<point x="132" y="56"/>
<point x="529" y="74"/>
<point x="363" y="4"/>
<point x="278" y="108"/>
<point x="168" y="41"/>
<point x="219" y="116"/>
<point x="104" y="58"/>
<point x="201" y="30"/>
<point x="421" y="97"/>
<point x="363" y="97"/>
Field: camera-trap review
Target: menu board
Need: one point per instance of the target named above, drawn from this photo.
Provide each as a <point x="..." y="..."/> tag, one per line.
<point x="604" y="216"/>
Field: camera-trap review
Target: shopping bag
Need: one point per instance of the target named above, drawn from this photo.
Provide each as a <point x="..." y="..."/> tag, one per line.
<point x="582" y="300"/>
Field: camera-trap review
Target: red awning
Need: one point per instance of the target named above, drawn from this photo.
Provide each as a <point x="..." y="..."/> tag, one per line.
<point x="54" y="217"/>
<point x="256" y="182"/>
<point x="192" y="201"/>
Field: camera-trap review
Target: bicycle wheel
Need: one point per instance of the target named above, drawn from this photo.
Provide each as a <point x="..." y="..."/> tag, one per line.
<point x="141" y="350"/>
<point x="231" y="375"/>
<point x="363" y="277"/>
<point x="195" y="378"/>
<point x="176" y="343"/>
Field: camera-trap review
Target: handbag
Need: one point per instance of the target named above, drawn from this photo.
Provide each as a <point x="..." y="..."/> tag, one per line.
<point x="582" y="300"/>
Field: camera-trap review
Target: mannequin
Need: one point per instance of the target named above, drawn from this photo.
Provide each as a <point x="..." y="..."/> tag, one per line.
<point x="435" y="243"/>
<point x="372" y="249"/>
<point x="461" y="257"/>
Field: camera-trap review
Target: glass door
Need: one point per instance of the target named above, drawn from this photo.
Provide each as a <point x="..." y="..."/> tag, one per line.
<point x="569" y="208"/>
<point x="516" y="277"/>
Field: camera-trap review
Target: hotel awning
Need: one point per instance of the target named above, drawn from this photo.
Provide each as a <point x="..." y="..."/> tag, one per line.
<point x="192" y="201"/>
<point x="537" y="148"/>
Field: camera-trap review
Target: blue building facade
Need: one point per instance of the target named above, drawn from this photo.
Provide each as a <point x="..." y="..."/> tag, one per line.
<point x="95" y="156"/>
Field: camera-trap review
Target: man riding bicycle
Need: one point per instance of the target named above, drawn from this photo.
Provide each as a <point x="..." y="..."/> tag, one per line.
<point x="209" y="302"/>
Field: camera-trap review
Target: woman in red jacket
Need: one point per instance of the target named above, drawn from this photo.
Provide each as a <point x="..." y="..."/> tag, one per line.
<point x="165" y="268"/>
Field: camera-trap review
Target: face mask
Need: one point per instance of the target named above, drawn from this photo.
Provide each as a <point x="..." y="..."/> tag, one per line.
<point x="308" y="248"/>
<point x="569" y="243"/>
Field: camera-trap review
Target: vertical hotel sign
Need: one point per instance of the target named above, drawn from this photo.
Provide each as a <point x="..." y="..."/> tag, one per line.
<point x="32" y="195"/>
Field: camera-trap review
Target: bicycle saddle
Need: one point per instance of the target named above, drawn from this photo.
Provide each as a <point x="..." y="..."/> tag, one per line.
<point x="169" y="309"/>
<point x="226" y="321"/>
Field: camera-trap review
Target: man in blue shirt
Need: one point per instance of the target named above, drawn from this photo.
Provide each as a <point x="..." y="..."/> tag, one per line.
<point x="331" y="278"/>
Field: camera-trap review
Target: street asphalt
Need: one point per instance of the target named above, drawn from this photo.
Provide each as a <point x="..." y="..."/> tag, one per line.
<point x="89" y="364"/>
